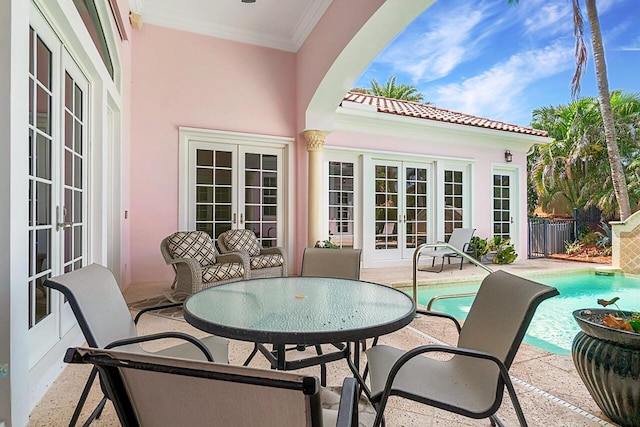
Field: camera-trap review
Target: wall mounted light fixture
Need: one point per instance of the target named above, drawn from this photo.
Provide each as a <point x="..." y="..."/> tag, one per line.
<point x="508" y="157"/>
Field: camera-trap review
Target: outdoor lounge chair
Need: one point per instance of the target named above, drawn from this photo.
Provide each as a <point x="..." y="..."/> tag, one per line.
<point x="105" y="321"/>
<point x="197" y="263"/>
<point x="459" y="239"/>
<point x="163" y="391"/>
<point x="472" y="382"/>
<point x="263" y="262"/>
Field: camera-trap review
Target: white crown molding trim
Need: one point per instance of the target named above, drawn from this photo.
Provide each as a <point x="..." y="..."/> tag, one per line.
<point x="222" y="31"/>
<point x="308" y="21"/>
<point x="136" y="6"/>
<point x="356" y="120"/>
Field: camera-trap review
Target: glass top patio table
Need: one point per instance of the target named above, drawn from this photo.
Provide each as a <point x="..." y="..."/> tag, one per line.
<point x="299" y="310"/>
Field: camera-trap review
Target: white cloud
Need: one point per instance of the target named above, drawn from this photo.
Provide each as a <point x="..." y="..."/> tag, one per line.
<point x="549" y="18"/>
<point x="450" y="39"/>
<point x="498" y="92"/>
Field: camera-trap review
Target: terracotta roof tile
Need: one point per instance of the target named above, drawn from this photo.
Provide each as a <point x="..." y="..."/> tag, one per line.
<point x="429" y="112"/>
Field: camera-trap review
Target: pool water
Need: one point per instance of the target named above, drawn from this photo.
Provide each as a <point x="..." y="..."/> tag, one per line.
<point x="553" y="327"/>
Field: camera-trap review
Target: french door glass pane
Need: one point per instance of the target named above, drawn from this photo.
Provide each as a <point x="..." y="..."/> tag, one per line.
<point x="386" y="209"/>
<point x="341" y="197"/>
<point x="453" y="214"/>
<point x="40" y="187"/>
<point x="501" y="206"/>
<point x="416" y="206"/>
<point x="74" y="193"/>
<point x="261" y="197"/>
<point x="213" y="191"/>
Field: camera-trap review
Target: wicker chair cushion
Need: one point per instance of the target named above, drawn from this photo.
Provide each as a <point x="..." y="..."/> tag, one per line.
<point x="192" y="244"/>
<point x="266" y="261"/>
<point x="242" y="241"/>
<point x="222" y="271"/>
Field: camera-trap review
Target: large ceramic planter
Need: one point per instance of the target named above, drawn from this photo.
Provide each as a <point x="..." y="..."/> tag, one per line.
<point x="608" y="361"/>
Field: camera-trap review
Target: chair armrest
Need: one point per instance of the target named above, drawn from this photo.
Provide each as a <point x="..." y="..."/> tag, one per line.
<point x="163" y="335"/>
<point x="442" y="315"/>
<point x="191" y="262"/>
<point x="157" y="307"/>
<point x="275" y="250"/>
<point x="348" y="408"/>
<point x="239" y="257"/>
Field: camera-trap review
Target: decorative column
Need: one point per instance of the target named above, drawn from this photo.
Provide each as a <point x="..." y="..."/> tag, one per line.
<point x="315" y="146"/>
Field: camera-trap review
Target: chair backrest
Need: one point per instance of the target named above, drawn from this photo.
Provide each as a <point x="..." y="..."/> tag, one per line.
<point x="150" y="390"/>
<point x="501" y="313"/>
<point x="461" y="237"/>
<point x="97" y="303"/>
<point x="239" y="240"/>
<point x="190" y="244"/>
<point x="336" y="263"/>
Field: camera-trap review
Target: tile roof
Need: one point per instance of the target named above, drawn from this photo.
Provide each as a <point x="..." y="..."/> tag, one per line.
<point x="429" y="112"/>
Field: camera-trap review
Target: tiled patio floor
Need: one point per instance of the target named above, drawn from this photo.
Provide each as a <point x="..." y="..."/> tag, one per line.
<point x="547" y="384"/>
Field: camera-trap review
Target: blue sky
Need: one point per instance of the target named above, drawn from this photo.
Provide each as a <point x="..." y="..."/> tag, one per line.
<point x="487" y="58"/>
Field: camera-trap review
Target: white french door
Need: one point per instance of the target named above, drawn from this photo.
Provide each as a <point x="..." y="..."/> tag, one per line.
<point x="402" y="208"/>
<point x="236" y="186"/>
<point x="504" y="214"/>
<point x="58" y="159"/>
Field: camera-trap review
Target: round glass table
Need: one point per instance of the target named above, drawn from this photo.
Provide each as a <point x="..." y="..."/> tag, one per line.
<point x="301" y="311"/>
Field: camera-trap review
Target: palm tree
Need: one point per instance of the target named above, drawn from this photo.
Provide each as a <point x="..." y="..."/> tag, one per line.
<point x="574" y="167"/>
<point x="391" y="89"/>
<point x="613" y="152"/>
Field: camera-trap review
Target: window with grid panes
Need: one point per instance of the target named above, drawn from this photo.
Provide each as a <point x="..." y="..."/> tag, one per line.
<point x="453" y="198"/>
<point x="341" y="200"/>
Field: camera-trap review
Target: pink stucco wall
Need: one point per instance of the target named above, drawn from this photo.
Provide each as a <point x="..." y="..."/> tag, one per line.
<point x="183" y="79"/>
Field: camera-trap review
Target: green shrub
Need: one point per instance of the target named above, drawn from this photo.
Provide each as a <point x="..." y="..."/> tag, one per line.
<point x="573" y="247"/>
<point x="506" y="255"/>
<point x="589" y="238"/>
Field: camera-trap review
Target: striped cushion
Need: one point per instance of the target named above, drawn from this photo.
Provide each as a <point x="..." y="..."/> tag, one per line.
<point x="192" y="244"/>
<point x="223" y="271"/>
<point x="266" y="261"/>
<point x="242" y="241"/>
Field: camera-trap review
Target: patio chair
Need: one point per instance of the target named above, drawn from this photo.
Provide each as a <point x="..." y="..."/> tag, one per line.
<point x="105" y="322"/>
<point x="150" y="390"/>
<point x="459" y="239"/>
<point x="472" y="382"/>
<point x="263" y="262"/>
<point x="197" y="263"/>
<point x="337" y="263"/>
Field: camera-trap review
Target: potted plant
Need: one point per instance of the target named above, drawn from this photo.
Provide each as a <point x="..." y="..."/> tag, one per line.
<point x="606" y="354"/>
<point x="479" y="248"/>
<point x="503" y="250"/>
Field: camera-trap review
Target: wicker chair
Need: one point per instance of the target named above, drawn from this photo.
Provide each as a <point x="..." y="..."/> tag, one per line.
<point x="264" y="262"/>
<point x="197" y="263"/>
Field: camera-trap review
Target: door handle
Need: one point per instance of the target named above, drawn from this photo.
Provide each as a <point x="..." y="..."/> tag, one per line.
<point x="511" y="220"/>
<point x="234" y="217"/>
<point x="241" y="218"/>
<point x="62" y="224"/>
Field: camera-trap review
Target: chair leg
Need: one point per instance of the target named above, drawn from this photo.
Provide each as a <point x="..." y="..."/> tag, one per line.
<point x="83" y="397"/>
<point x="495" y="421"/>
<point x="96" y="412"/>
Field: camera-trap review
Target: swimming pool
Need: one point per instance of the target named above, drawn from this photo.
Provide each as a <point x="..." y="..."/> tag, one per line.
<point x="553" y="327"/>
